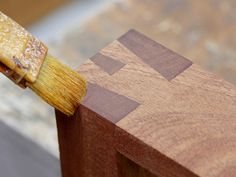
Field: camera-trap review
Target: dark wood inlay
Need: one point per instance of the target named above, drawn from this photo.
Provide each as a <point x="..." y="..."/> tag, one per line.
<point x="168" y="63"/>
<point x="108" y="104"/>
<point x="107" y="64"/>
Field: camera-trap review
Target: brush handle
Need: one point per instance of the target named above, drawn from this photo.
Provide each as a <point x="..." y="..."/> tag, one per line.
<point x="21" y="54"/>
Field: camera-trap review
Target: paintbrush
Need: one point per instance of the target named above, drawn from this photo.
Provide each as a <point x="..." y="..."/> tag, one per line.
<point x="25" y="60"/>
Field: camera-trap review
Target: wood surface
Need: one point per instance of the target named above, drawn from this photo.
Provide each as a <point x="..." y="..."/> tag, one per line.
<point x="20" y="157"/>
<point x="150" y="112"/>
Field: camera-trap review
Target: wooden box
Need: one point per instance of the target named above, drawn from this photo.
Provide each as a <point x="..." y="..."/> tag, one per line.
<point x="149" y="112"/>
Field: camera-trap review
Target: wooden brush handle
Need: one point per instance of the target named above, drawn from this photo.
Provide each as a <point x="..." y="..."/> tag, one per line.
<point x="20" y="52"/>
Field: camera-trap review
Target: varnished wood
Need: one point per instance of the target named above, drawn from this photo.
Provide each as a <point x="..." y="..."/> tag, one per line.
<point x="181" y="122"/>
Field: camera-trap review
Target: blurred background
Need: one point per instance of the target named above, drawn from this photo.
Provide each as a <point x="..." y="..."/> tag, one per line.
<point x="201" y="30"/>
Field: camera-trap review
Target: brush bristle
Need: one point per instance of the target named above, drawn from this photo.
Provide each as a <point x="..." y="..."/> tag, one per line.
<point x="59" y="86"/>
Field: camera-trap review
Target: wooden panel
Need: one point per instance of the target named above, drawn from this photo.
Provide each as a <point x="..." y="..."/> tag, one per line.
<point x="19" y="157"/>
<point x="183" y="125"/>
<point x="86" y="145"/>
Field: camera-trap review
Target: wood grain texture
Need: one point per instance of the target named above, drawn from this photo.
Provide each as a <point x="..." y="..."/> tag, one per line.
<point x="166" y="62"/>
<point x="86" y="145"/>
<point x="184" y="126"/>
